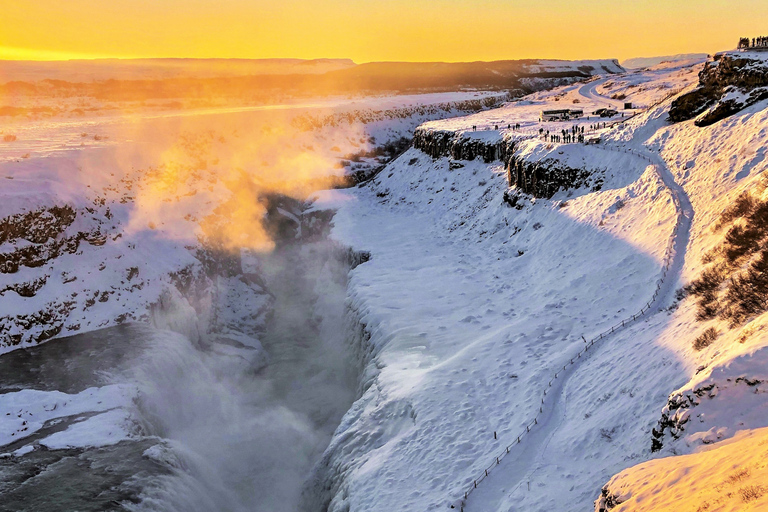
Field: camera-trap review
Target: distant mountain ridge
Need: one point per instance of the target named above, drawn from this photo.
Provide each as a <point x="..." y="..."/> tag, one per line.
<point x="421" y="73"/>
<point x="216" y="82"/>
<point x="163" y="68"/>
<point x="646" y="62"/>
<point x="449" y="75"/>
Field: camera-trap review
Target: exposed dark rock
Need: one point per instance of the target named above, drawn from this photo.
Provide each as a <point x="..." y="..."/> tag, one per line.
<point x="676" y="413"/>
<point x="539" y="179"/>
<point x="547" y="177"/>
<point x="513" y="199"/>
<point x="727" y="84"/>
<point x="607" y="500"/>
<point x="365" y="165"/>
<point x="37" y="255"/>
<point x="45" y="231"/>
<point x="26" y="289"/>
<point x="16" y="328"/>
<point x="37" y="226"/>
<point x="440" y="143"/>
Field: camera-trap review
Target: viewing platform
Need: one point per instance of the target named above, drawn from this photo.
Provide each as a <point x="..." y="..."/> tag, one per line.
<point x="756" y="44"/>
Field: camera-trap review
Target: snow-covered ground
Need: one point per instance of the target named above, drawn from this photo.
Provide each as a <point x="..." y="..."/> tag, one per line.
<point x="158" y="219"/>
<point x="475" y="315"/>
<point x="687" y="59"/>
<point x="640" y="88"/>
<point x="729" y="476"/>
<point x="472" y="306"/>
<point x="28" y="410"/>
<point x="147" y="192"/>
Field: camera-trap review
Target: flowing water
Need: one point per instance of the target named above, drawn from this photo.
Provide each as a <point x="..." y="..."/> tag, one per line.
<point x="213" y="433"/>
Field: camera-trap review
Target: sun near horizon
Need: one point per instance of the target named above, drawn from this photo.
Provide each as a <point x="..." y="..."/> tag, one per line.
<point x="373" y="30"/>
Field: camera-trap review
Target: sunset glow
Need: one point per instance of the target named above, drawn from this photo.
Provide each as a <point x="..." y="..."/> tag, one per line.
<point x="384" y="255"/>
<point x="372" y="30"/>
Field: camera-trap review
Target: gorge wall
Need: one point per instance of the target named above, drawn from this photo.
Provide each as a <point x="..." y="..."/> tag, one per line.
<point x="543" y="178"/>
<point x="729" y="83"/>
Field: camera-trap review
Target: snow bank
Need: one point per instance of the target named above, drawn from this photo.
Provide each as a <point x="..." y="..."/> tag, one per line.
<point x="728" y="477"/>
<point x="93" y="417"/>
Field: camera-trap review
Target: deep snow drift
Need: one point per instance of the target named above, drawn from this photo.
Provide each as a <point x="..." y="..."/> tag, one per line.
<point x="729" y="476"/>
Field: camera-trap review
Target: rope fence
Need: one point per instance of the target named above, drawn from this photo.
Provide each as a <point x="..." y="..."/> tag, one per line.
<point x="667" y="262"/>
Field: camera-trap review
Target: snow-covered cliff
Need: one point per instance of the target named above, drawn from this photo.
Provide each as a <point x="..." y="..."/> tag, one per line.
<point x="472" y="306"/>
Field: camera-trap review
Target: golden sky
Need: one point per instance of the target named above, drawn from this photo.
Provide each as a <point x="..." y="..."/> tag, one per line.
<point x="374" y="30"/>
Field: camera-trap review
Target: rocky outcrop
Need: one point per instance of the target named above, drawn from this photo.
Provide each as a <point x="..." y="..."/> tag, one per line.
<point x="548" y="176"/>
<point x="40" y="236"/>
<point x="37" y="226"/>
<point x="679" y="410"/>
<point x="675" y="415"/>
<point x="539" y="179"/>
<point x="25" y="288"/>
<point x="37" y="255"/>
<point x="727" y="84"/>
<point x="456" y="145"/>
<point x="607" y="500"/>
<point x="32" y="239"/>
<point x="45" y="323"/>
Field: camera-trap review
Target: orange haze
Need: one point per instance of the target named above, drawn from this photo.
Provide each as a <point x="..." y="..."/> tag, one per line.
<point x="374" y="30"/>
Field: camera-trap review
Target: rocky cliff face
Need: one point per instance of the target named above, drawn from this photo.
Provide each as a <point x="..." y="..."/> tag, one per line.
<point x="29" y="242"/>
<point x="455" y="145"/>
<point x="539" y="179"/>
<point x="702" y="414"/>
<point x="548" y="176"/>
<point x="677" y="412"/>
<point x="727" y="84"/>
<point x="33" y="237"/>
<point x="67" y="269"/>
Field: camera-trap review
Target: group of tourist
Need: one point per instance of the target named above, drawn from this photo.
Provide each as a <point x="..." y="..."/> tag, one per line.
<point x="575" y="134"/>
<point x="757" y="42"/>
<point x="510" y="126"/>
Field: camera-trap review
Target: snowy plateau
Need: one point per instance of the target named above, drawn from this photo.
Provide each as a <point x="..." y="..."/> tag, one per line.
<point x="490" y="319"/>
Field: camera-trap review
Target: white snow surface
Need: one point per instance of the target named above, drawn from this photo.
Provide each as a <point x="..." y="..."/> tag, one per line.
<point x="100" y="416"/>
<point x="103" y="168"/>
<point x="472" y="306"/>
<point x="641" y="88"/>
<point x="681" y="58"/>
<point x="727" y="477"/>
<point x="597" y="67"/>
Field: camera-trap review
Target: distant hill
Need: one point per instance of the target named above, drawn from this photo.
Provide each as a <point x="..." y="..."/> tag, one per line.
<point x="160" y="69"/>
<point x="647" y="62"/>
<point x="443" y="75"/>
<point x="179" y="83"/>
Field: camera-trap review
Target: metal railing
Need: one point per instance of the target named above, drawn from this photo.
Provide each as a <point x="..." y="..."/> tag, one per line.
<point x="666" y="263"/>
